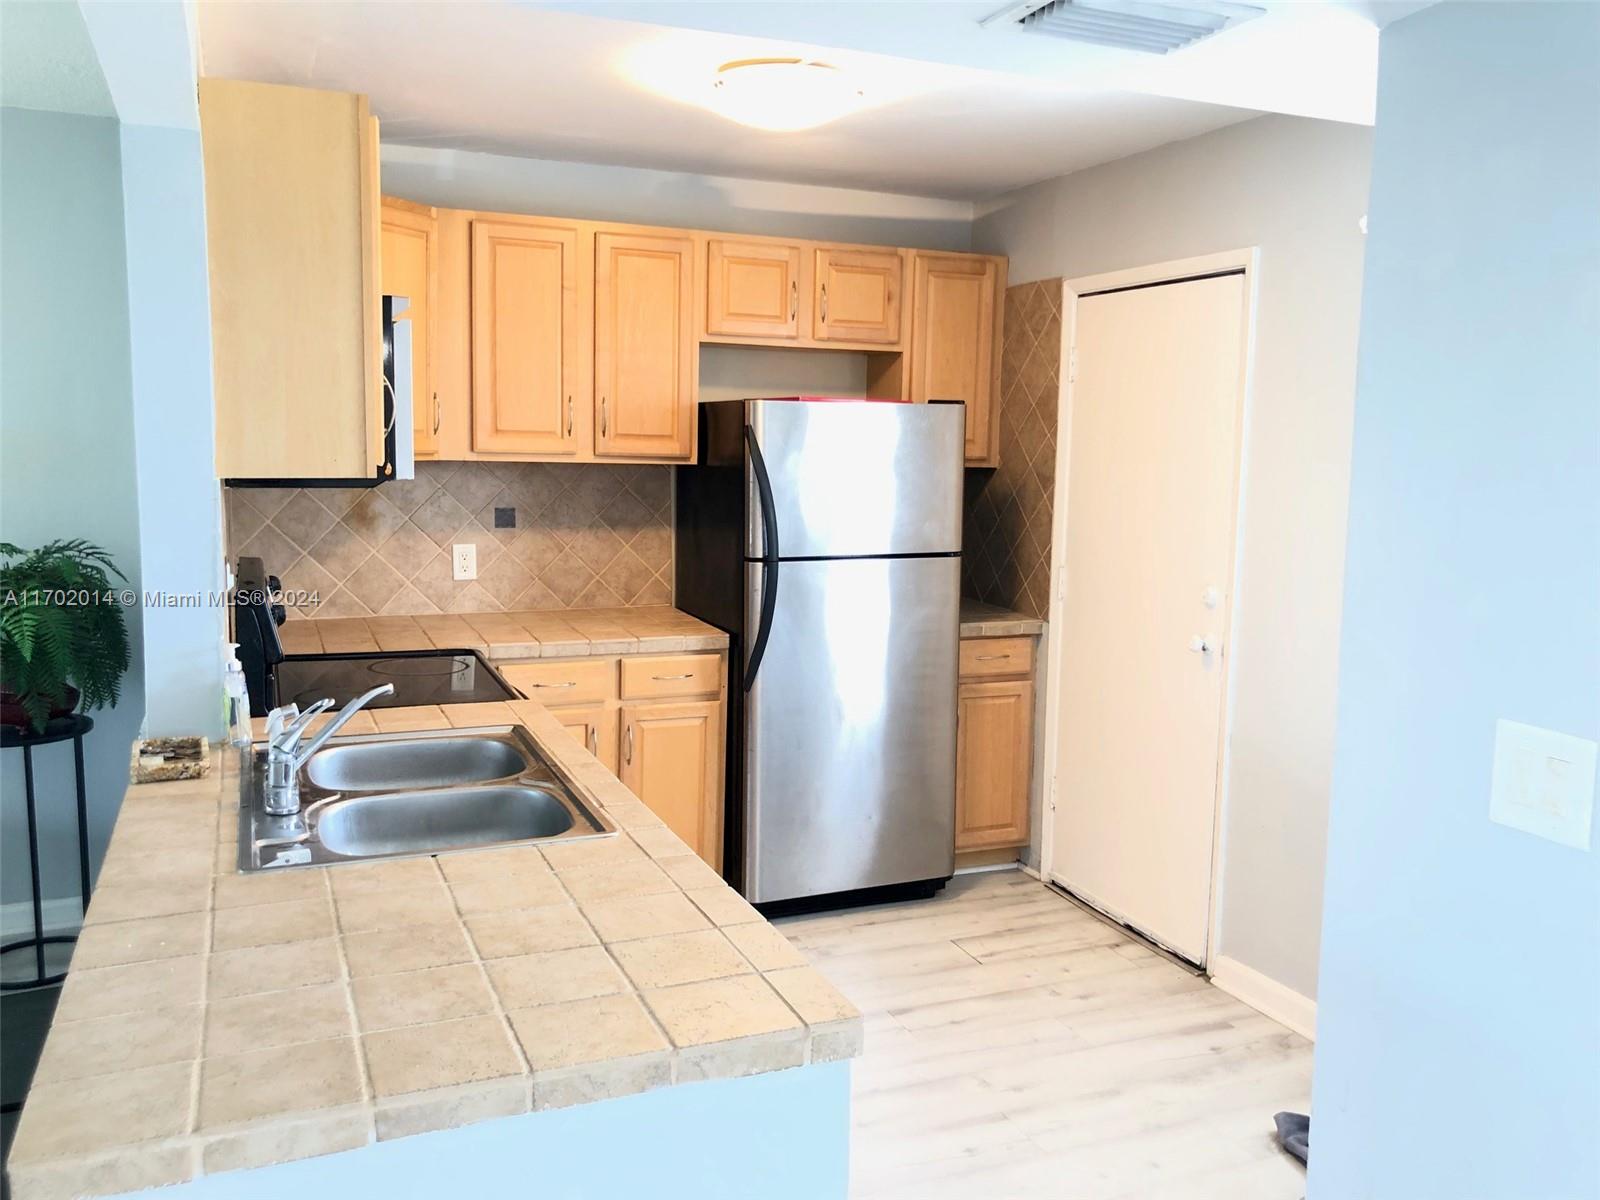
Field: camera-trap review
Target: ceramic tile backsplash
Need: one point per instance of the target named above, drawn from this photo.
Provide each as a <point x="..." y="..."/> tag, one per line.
<point x="1006" y="553"/>
<point x="585" y="537"/>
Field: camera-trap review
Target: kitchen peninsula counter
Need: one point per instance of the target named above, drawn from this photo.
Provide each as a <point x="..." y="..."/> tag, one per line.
<point x="215" y="1021"/>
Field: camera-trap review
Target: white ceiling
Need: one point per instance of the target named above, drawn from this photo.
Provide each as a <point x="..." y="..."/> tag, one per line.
<point x="523" y="79"/>
<point x="47" y="60"/>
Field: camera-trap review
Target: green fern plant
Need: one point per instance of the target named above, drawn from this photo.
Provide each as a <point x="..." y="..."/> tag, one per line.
<point x="61" y="626"/>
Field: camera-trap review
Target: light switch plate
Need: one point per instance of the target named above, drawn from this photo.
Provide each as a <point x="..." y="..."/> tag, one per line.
<point x="1543" y="783"/>
<point x="464" y="560"/>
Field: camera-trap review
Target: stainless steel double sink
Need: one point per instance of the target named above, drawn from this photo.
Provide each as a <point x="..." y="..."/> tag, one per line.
<point x="403" y="794"/>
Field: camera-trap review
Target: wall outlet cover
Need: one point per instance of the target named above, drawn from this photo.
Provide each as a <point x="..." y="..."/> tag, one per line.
<point x="464" y="560"/>
<point x="1543" y="783"/>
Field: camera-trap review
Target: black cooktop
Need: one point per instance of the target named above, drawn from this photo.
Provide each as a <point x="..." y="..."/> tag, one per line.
<point x="419" y="677"/>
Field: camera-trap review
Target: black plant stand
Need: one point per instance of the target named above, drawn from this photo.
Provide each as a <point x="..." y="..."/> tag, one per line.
<point x="59" y="730"/>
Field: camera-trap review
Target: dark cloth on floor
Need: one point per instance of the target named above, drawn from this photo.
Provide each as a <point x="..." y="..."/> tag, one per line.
<point x="1294" y="1133"/>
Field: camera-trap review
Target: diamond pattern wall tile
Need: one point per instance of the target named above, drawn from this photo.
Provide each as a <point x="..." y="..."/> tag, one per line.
<point x="1006" y="552"/>
<point x="585" y="535"/>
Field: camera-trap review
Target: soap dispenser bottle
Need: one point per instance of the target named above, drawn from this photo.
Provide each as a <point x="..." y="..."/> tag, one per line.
<point x="235" y="699"/>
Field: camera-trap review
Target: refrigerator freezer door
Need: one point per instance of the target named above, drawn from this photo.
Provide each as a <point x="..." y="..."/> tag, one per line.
<point x="857" y="479"/>
<point x="850" y="727"/>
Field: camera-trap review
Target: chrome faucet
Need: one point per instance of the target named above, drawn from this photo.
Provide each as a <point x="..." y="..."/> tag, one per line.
<point x="285" y="755"/>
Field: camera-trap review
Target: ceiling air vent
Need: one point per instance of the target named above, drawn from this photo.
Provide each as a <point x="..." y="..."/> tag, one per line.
<point x="1125" y="24"/>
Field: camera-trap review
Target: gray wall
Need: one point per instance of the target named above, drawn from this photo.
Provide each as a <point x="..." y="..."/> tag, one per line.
<point x="1459" y="1048"/>
<point x="1297" y="189"/>
<point x="498" y="183"/>
<point x="66" y="450"/>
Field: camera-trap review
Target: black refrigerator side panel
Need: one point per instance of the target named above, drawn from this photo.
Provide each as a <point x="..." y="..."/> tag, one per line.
<point x="708" y="583"/>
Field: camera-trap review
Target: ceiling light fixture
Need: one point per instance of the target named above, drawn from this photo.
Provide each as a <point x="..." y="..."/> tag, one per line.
<point x="783" y="95"/>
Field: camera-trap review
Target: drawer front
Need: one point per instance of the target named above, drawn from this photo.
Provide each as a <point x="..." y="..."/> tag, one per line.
<point x="986" y="658"/>
<point x="564" y="681"/>
<point x="671" y="675"/>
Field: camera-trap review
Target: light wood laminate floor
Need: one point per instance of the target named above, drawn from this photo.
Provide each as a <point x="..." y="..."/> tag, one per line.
<point x="1016" y="1046"/>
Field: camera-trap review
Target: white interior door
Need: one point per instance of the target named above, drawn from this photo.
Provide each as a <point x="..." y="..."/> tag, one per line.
<point x="1149" y="552"/>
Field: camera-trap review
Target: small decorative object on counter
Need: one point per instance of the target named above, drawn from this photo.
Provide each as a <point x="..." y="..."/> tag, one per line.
<point x="63" y="640"/>
<point x="161" y="760"/>
<point x="235" y="699"/>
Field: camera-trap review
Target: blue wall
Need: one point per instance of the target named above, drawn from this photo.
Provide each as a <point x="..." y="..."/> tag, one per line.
<point x="1459" y="1023"/>
<point x="66" y="432"/>
<point x="782" y="1136"/>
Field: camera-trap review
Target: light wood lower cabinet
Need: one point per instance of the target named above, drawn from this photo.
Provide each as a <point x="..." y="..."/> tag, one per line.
<point x="658" y="722"/>
<point x="994" y="744"/>
<point x="672" y="760"/>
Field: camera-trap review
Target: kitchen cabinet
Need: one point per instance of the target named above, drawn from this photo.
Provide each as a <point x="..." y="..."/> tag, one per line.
<point x="530" y="340"/>
<point x="408" y="260"/>
<point x="857" y="295"/>
<point x="752" y="289"/>
<point x="644" y="346"/>
<point x="658" y="721"/>
<point x="292" y="241"/>
<point x="595" y="727"/>
<point x="672" y="760"/>
<point x="955" y="341"/>
<point x="994" y="742"/>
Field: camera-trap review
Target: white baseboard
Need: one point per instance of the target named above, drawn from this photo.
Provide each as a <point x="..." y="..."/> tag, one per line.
<point x="62" y="915"/>
<point x="1283" y="1004"/>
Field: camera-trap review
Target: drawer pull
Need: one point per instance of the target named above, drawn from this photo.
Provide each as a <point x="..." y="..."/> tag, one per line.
<point x="992" y="657"/>
<point x="569" y="683"/>
<point x="665" y="678"/>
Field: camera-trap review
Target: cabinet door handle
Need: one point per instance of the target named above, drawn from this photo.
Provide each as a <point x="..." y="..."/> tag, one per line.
<point x="991" y="657"/>
<point x="569" y="683"/>
<point x="627" y="749"/>
<point x="664" y="678"/>
<point x="794" y="298"/>
<point x="436" y="414"/>
<point x="569" y="416"/>
<point x="602" y="416"/>
<point x="594" y="740"/>
<point x="824" y="304"/>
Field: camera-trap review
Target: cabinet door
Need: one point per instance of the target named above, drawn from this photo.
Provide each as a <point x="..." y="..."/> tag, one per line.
<point x="858" y="296"/>
<point x="954" y="338"/>
<point x="409" y="268"/>
<point x="672" y="760"/>
<point x="595" y="726"/>
<point x="644" y="347"/>
<point x="752" y="289"/>
<point x="529" y="370"/>
<point x="292" y="241"/>
<point x="994" y="758"/>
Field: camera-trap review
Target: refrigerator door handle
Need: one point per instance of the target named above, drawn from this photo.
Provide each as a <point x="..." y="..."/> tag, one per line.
<point x="769" y="558"/>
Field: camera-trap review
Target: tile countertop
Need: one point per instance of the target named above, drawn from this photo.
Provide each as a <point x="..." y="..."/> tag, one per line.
<point x="985" y="620"/>
<point x="216" y="1021"/>
<point x="564" y="633"/>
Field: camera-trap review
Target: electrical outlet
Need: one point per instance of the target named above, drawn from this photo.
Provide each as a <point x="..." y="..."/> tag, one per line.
<point x="464" y="560"/>
<point x="1543" y="783"/>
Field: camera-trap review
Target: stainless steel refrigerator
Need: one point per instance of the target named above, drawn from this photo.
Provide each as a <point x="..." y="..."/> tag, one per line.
<point x="825" y="538"/>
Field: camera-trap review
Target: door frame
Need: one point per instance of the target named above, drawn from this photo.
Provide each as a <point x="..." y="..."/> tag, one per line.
<point x="1246" y="259"/>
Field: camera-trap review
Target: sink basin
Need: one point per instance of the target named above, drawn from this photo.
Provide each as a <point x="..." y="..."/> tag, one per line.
<point x="414" y="763"/>
<point x="388" y="795"/>
<point x="443" y="819"/>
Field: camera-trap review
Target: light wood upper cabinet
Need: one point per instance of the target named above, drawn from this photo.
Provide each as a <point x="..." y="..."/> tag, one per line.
<point x="409" y="268"/>
<point x="292" y="237"/>
<point x="644" y="346"/>
<point x="994" y="757"/>
<point x="955" y="341"/>
<point x="857" y="295"/>
<point x="530" y="375"/>
<point x="752" y="289"/>
<point x="672" y="760"/>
